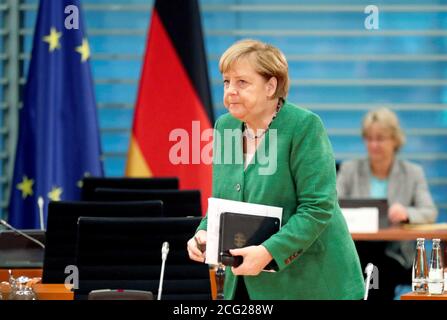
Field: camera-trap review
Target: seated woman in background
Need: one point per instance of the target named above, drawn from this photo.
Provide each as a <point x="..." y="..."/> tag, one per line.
<point x="383" y="175"/>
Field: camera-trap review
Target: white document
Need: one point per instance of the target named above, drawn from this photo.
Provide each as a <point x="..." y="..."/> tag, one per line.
<point x="362" y="220"/>
<point x="217" y="206"/>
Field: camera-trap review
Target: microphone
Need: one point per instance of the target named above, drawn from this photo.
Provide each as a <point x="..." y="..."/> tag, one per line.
<point x="8" y="226"/>
<point x="164" y="250"/>
<point x="369" y="269"/>
<point x="40" y="204"/>
<point x="164" y="256"/>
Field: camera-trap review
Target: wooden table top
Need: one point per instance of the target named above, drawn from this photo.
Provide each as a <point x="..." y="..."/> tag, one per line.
<point x="423" y="296"/>
<point x="50" y="291"/>
<point x="47" y="291"/>
<point x="401" y="234"/>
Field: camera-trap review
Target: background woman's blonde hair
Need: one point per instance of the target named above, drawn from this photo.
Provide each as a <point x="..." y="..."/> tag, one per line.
<point x="267" y="60"/>
<point x="388" y="120"/>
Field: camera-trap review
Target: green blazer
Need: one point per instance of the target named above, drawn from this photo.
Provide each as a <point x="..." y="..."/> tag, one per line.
<point x="314" y="251"/>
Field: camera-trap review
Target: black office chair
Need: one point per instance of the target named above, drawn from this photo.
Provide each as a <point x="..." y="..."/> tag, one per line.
<point x="123" y="253"/>
<point x="108" y="294"/>
<point x="61" y="231"/>
<point x="176" y="203"/>
<point x="337" y="166"/>
<point x="89" y="184"/>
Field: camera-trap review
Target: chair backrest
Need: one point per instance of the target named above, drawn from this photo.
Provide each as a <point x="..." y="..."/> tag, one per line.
<point x="176" y="203"/>
<point x="123" y="253"/>
<point x="89" y="184"/>
<point x="108" y="294"/>
<point x="61" y="230"/>
<point x="337" y="166"/>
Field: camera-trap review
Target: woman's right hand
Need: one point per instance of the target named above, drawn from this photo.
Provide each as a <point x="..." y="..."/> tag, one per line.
<point x="196" y="246"/>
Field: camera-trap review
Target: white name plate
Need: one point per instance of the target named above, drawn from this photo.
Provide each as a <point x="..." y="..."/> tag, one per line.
<point x="361" y="220"/>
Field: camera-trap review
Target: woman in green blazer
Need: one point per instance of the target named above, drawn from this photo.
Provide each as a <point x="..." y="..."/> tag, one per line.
<point x="287" y="162"/>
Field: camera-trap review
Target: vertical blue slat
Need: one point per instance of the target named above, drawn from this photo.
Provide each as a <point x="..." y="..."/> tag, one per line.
<point x="1" y="111"/>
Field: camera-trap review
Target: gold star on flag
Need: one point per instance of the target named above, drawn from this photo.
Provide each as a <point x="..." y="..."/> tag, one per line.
<point x="55" y="194"/>
<point x="26" y="186"/>
<point x="80" y="183"/>
<point x="84" y="50"/>
<point x="53" y="39"/>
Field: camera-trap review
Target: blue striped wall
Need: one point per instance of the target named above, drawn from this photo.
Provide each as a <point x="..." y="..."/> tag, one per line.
<point x="339" y="89"/>
<point x="2" y="99"/>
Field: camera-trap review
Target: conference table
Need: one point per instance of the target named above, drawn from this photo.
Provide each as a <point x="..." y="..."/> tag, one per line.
<point x="423" y="296"/>
<point x="397" y="233"/>
<point x="56" y="291"/>
<point x="404" y="233"/>
<point x="408" y="233"/>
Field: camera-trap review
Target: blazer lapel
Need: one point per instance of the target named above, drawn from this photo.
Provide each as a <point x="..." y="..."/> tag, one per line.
<point x="394" y="182"/>
<point x="364" y="183"/>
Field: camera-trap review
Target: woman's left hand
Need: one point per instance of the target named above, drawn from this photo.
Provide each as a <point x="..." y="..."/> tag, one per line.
<point x="397" y="213"/>
<point x="255" y="259"/>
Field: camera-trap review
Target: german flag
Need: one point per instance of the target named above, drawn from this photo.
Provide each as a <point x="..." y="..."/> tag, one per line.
<point x="173" y="108"/>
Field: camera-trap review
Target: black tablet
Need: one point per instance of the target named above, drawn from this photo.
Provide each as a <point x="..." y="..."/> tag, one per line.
<point x="238" y="230"/>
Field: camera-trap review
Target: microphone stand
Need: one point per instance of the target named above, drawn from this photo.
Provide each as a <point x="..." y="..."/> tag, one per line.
<point x="369" y="269"/>
<point x="220" y="279"/>
<point x="7" y="225"/>
<point x="164" y="255"/>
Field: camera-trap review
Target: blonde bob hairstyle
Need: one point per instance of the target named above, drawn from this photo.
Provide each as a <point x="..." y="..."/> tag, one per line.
<point x="386" y="119"/>
<point x="267" y="60"/>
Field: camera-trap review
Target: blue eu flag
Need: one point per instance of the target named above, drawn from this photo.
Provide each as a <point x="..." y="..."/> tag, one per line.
<point x="58" y="140"/>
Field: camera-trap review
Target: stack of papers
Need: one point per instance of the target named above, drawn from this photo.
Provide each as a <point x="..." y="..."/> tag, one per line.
<point x="217" y="206"/>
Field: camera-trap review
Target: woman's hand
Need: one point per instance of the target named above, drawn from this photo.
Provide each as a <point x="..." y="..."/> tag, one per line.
<point x="255" y="259"/>
<point x="196" y="246"/>
<point x="397" y="213"/>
